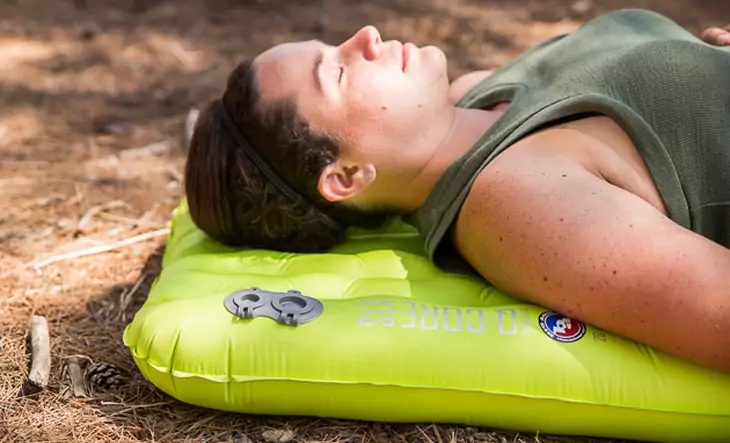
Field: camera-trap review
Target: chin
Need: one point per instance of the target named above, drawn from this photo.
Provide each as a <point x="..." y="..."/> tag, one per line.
<point x="436" y="59"/>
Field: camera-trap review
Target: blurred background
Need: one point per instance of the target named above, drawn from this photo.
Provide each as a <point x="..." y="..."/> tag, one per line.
<point x="94" y="96"/>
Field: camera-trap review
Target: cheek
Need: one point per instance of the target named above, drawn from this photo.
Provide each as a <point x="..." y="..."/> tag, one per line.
<point x="384" y="94"/>
<point x="385" y="103"/>
<point x="379" y="83"/>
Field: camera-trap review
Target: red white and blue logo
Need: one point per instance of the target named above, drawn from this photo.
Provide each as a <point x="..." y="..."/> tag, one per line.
<point x="561" y="328"/>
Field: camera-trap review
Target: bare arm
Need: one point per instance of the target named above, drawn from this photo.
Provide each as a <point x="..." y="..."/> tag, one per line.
<point x="553" y="233"/>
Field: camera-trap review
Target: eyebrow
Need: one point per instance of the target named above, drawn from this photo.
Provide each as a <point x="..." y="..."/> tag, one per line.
<point x="315" y="72"/>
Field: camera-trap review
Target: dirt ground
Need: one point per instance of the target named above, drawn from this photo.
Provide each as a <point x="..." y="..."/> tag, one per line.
<point x="93" y="99"/>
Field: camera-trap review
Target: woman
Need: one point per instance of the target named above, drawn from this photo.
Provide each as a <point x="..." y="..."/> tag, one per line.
<point x="590" y="176"/>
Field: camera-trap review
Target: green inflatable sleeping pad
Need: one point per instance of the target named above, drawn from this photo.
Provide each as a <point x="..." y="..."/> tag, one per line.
<point x="372" y="330"/>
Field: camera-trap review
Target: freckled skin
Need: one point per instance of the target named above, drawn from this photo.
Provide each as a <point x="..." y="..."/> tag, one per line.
<point x="536" y="222"/>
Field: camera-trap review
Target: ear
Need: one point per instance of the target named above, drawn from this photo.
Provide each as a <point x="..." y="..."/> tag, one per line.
<point x="340" y="181"/>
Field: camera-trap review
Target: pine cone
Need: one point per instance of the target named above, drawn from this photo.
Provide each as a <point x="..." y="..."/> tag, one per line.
<point x="104" y="375"/>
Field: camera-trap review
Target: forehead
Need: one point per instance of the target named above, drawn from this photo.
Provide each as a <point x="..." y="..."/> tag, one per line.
<point x="285" y="69"/>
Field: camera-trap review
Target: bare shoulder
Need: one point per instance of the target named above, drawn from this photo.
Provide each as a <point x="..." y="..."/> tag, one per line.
<point x="544" y="190"/>
<point x="540" y="224"/>
<point x="464" y="83"/>
<point x="527" y="189"/>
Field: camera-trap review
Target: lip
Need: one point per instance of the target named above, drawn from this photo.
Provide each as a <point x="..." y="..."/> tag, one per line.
<point x="405" y="55"/>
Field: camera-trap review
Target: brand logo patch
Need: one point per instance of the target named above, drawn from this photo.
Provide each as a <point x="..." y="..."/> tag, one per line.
<point x="561" y="328"/>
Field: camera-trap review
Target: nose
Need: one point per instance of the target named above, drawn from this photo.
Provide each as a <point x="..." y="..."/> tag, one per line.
<point x="366" y="43"/>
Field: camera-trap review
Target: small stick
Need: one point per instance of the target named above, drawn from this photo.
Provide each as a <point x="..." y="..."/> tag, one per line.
<point x="127" y="220"/>
<point x="78" y="357"/>
<point x="438" y="434"/>
<point x="175" y="174"/>
<point x="40" y="347"/>
<point x="424" y="434"/>
<point x="180" y="54"/>
<point x="127" y="296"/>
<point x="77" y="378"/>
<point x="100" y="249"/>
<point x="78" y="196"/>
<point x="86" y="218"/>
<point x="148" y="215"/>
<point x="135" y="407"/>
<point x="150" y="150"/>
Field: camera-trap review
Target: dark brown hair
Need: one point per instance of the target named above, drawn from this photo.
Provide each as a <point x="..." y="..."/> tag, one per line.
<point x="233" y="202"/>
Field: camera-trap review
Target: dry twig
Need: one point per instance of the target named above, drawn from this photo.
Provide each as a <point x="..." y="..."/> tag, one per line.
<point x="78" y="195"/>
<point x="127" y="296"/>
<point x="99" y="249"/>
<point x="135" y="407"/>
<point x="126" y="220"/>
<point x="40" y="345"/>
<point x="438" y="434"/>
<point x="77" y="378"/>
<point x="151" y="150"/>
<point x="175" y="174"/>
<point x="85" y="219"/>
<point x="424" y="434"/>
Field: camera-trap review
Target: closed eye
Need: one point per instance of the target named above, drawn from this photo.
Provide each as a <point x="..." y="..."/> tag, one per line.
<point x="342" y="71"/>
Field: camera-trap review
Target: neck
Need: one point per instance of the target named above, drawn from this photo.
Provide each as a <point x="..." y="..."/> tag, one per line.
<point x="455" y="139"/>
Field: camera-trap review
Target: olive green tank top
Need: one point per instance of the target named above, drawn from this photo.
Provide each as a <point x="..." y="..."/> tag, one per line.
<point x="667" y="89"/>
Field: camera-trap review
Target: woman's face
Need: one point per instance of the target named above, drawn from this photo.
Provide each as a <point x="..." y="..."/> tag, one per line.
<point x="377" y="99"/>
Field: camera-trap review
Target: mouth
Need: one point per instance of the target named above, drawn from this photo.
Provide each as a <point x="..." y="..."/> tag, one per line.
<point x="405" y="54"/>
